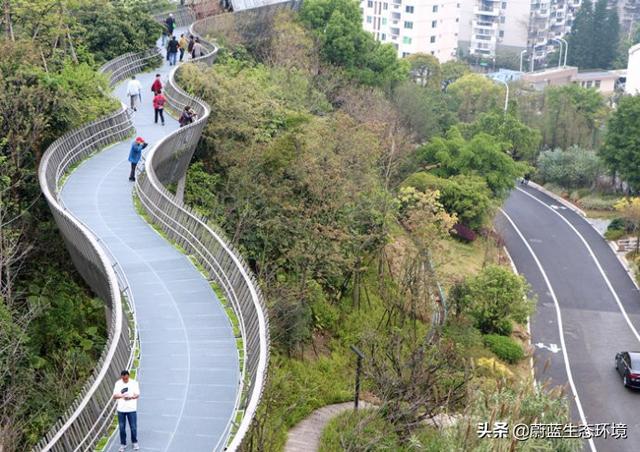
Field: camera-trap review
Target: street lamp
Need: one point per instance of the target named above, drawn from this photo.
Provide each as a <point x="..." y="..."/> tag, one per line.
<point x="521" y="58"/>
<point x="566" y="50"/>
<point x="506" y="97"/>
<point x="360" y="357"/>
<point x="560" y="51"/>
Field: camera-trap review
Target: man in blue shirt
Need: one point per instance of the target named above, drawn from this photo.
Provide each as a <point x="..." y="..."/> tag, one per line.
<point x="134" y="156"/>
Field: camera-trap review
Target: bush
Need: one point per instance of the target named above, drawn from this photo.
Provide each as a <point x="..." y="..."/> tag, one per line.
<point x="614" y="234"/>
<point x="361" y="430"/>
<point x="495" y="298"/>
<point x="463" y="232"/>
<point x="504" y="347"/>
<point x="571" y="168"/>
<point x="596" y="202"/>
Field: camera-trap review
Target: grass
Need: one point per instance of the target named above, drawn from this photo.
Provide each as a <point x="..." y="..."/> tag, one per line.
<point x="595" y="204"/>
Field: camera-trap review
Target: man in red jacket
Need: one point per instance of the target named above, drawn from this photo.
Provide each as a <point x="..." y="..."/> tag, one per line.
<point x="157" y="85"/>
<point x="158" y="106"/>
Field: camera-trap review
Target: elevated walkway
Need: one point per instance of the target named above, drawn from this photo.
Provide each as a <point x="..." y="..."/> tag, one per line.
<point x="189" y="367"/>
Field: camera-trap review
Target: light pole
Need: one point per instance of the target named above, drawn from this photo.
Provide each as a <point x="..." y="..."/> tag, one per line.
<point x="506" y="97"/>
<point x="521" y="58"/>
<point x="566" y="50"/>
<point x="360" y="357"/>
<point x="559" y="52"/>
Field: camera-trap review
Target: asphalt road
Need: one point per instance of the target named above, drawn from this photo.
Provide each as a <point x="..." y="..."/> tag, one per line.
<point x="588" y="306"/>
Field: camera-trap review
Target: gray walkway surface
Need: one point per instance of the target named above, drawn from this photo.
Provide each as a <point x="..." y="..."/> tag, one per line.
<point x="595" y="313"/>
<point x="189" y="369"/>
<point x="305" y="436"/>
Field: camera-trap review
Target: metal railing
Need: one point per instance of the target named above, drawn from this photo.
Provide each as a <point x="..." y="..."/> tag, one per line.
<point x="87" y="419"/>
<point x="165" y="164"/>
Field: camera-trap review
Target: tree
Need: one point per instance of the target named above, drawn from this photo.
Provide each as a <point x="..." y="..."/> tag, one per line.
<point x="593" y="41"/>
<point x="452" y="70"/>
<point x="482" y="156"/>
<point x="466" y="196"/>
<point x="473" y="94"/>
<point x="629" y="208"/>
<point x="425" y="70"/>
<point x="574" y="168"/>
<point x="581" y="38"/>
<point x="523" y="142"/>
<point x="621" y="150"/>
<point x="495" y="298"/>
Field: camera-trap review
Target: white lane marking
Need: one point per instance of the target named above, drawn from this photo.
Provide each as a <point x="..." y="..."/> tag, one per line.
<point x="567" y="366"/>
<point x="595" y="260"/>
<point x="553" y="348"/>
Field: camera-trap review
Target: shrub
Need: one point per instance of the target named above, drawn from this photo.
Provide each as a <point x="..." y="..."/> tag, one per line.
<point x="491" y="366"/>
<point x="571" y="168"/>
<point x="614" y="234"/>
<point x="504" y="348"/>
<point x="463" y="232"/>
<point x="495" y="298"/>
<point x="595" y="202"/>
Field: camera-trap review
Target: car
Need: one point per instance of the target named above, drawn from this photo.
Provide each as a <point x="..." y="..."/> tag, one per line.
<point x="628" y="366"/>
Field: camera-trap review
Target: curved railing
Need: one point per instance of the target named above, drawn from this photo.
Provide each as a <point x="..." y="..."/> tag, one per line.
<point x="89" y="416"/>
<point x="165" y="164"/>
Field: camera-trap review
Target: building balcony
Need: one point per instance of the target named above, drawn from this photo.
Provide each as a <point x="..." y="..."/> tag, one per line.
<point x="493" y="12"/>
<point x="395" y="16"/>
<point x="484" y="25"/>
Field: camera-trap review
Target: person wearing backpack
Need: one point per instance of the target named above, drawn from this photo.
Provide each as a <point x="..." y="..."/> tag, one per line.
<point x="170" y="22"/>
<point x="158" y="106"/>
<point x="172" y="51"/>
<point x="156" y="87"/>
<point x="187" y="116"/>
<point x="134" y="156"/>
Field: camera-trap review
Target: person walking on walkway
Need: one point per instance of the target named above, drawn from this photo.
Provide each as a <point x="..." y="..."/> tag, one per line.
<point x="127" y="391"/>
<point x="170" y="22"/>
<point x="182" y="45"/>
<point x="197" y="49"/>
<point x="134" y="156"/>
<point x="156" y="87"/>
<point x="187" y="116"/>
<point x="192" y="42"/>
<point x="134" y="91"/>
<point x="172" y="51"/>
<point x="158" y="106"/>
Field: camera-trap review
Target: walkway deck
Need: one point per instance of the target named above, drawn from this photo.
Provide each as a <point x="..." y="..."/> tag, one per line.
<point x="189" y="369"/>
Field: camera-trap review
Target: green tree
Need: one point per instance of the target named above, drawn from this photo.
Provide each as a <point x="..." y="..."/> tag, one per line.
<point x="621" y="150"/>
<point x="495" y="298"/>
<point x="473" y="94"/>
<point x="425" y="70"/>
<point x="452" y="70"/>
<point x="465" y="195"/>
<point x="574" y="168"/>
<point x="482" y="155"/>
<point x="581" y="39"/>
<point x="523" y="142"/>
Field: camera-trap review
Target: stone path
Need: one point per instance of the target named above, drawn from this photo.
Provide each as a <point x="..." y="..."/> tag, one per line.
<point x="305" y="437"/>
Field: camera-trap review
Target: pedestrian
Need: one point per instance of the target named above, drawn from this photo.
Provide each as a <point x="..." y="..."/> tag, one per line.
<point x="170" y="22"/>
<point x="158" y="106"/>
<point x="134" y="91"/>
<point x="526" y="179"/>
<point x="197" y="49"/>
<point x="172" y="50"/>
<point x="187" y="116"/>
<point x="127" y="391"/>
<point x="156" y="87"/>
<point x="182" y="45"/>
<point x="134" y="156"/>
<point x="192" y="42"/>
<point x="165" y="35"/>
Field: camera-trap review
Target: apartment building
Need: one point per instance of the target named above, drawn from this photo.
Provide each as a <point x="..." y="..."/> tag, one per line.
<point x="412" y="26"/>
<point x="492" y="27"/>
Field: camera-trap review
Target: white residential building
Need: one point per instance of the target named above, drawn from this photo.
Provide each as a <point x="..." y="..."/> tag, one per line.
<point x="492" y="27"/>
<point x="412" y="26"/>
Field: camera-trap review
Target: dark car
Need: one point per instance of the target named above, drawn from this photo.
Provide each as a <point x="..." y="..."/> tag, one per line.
<point x="628" y="365"/>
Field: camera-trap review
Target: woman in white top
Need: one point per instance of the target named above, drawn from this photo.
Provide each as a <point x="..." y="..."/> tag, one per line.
<point x="134" y="91"/>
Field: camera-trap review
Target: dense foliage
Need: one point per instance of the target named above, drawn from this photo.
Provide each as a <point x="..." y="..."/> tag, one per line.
<point x="594" y="37"/>
<point x="621" y="152"/>
<point x="576" y="167"/>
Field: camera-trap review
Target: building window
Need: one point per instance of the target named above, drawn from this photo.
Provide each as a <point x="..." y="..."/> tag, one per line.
<point x="457" y="19"/>
<point x="408" y="24"/>
<point x="434" y="23"/>
<point x="597" y="85"/>
<point x="501" y="19"/>
<point x="369" y="3"/>
<point x="405" y="54"/>
<point x="501" y="34"/>
<point x="432" y="39"/>
<point x="435" y="8"/>
<point x="406" y="40"/>
<point x="504" y="5"/>
<point x="383" y="37"/>
<point x="384" y="21"/>
<point x="409" y="9"/>
<point x="369" y="19"/>
<point x="385" y="6"/>
<point x="589" y="84"/>
<point x="433" y="52"/>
